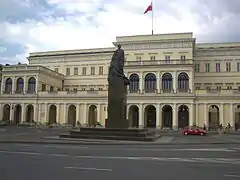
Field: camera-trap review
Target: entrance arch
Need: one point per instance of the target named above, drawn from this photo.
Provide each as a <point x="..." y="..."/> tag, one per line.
<point x="6" y="112"/>
<point x="213" y="117"/>
<point x="72" y="115"/>
<point x="92" y="116"/>
<point x="183" y="116"/>
<point x="52" y="117"/>
<point x="237" y="117"/>
<point x="150" y="116"/>
<point x="133" y="116"/>
<point x="30" y="113"/>
<point x="167" y="116"/>
<point x="17" y="113"/>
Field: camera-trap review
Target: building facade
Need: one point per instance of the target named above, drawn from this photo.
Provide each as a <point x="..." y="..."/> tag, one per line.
<point x="175" y="82"/>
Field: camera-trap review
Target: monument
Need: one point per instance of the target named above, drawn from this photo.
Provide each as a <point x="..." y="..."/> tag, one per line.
<point x="117" y="91"/>
<point x="116" y="125"/>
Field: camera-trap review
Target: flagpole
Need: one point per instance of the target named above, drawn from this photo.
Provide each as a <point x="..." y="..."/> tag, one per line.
<point x="152" y="17"/>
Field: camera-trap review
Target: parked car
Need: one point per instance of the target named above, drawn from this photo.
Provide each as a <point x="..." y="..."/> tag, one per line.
<point x="194" y="131"/>
<point x="4" y="123"/>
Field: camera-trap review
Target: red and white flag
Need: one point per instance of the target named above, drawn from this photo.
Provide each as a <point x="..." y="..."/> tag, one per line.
<point x="149" y="8"/>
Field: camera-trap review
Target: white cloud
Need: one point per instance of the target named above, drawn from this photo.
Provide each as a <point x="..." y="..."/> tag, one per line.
<point x="119" y="18"/>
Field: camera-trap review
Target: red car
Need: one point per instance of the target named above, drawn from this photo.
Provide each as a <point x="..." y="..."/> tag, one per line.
<point x="194" y="132"/>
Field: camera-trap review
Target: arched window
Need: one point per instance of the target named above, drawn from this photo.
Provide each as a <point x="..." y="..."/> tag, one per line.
<point x="20" y="85"/>
<point x="183" y="82"/>
<point x="31" y="85"/>
<point x="167" y="82"/>
<point x="150" y="83"/>
<point x="134" y="83"/>
<point x="8" y="85"/>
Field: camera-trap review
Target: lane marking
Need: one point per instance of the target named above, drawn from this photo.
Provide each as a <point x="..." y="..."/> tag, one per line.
<point x="169" y="159"/>
<point x="232" y="175"/>
<point x="88" y="169"/>
<point x="133" y="149"/>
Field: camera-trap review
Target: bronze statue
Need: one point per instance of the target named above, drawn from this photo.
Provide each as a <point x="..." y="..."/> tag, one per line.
<point x="117" y="66"/>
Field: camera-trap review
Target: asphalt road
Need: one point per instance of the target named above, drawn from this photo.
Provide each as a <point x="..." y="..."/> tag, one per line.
<point x="50" y="162"/>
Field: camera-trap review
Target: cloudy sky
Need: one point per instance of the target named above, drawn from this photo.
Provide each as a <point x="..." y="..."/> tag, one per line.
<point x="40" y="25"/>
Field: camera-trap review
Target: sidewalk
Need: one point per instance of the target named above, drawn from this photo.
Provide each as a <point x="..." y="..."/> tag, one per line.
<point x="160" y="141"/>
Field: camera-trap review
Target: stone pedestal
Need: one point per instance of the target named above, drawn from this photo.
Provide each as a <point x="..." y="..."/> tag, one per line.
<point x="117" y="107"/>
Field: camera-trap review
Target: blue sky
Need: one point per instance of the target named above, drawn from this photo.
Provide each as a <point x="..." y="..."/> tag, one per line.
<point x="42" y="25"/>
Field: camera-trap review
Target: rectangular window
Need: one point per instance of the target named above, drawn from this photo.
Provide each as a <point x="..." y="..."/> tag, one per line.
<point x="138" y="58"/>
<point x="152" y="58"/>
<point x="238" y="67"/>
<point x="197" y="67"/>
<point x="75" y="71"/>
<point x="167" y="59"/>
<point x="92" y="70"/>
<point x="217" y="67"/>
<point x="228" y="66"/>
<point x="183" y="59"/>
<point x="67" y="71"/>
<point x="84" y="71"/>
<point x="207" y="67"/>
<point x="43" y="87"/>
<point x="56" y="69"/>
<point x="100" y="70"/>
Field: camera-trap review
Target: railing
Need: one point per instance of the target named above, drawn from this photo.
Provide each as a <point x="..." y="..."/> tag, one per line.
<point x="158" y="62"/>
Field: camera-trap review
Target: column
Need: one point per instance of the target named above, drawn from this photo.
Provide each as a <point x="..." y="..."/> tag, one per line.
<point x="23" y="115"/>
<point x="85" y="116"/>
<point x="58" y="112"/>
<point x="196" y="110"/>
<point x="1" y="112"/>
<point x="2" y="85"/>
<point x="13" y="85"/>
<point x="36" y="110"/>
<point x="175" y="117"/>
<point x="106" y="111"/>
<point x="99" y="113"/>
<point x="46" y="113"/>
<point x="191" y="115"/>
<point x="37" y="82"/>
<point x="12" y="107"/>
<point x="191" y="85"/>
<point x="158" y="117"/>
<point x="174" y="82"/>
<point x="25" y="85"/>
<point x="141" y="118"/>
<point x="232" y="117"/>
<point x="77" y="113"/>
<point x="206" y="122"/>
<point x="39" y="113"/>
<point x="222" y="114"/>
<point x="141" y="82"/>
<point x="65" y="113"/>
<point x="158" y="87"/>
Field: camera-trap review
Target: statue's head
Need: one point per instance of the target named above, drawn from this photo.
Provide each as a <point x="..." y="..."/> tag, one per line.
<point x="119" y="46"/>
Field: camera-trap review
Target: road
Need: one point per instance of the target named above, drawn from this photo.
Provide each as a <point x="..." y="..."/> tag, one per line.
<point x="62" y="162"/>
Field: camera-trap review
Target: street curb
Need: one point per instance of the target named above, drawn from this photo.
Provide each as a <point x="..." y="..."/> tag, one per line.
<point x="105" y="143"/>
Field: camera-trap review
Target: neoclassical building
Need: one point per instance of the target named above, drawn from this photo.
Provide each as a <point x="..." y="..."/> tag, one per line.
<point x="175" y="82"/>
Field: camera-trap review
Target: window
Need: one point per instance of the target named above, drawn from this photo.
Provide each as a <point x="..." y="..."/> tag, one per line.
<point x="228" y="66"/>
<point x="219" y="88"/>
<point x="167" y="59"/>
<point x="207" y="67"/>
<point x="197" y="67"/>
<point x="51" y="88"/>
<point x="43" y="87"/>
<point x="229" y="87"/>
<point x="217" y="67"/>
<point x="100" y="89"/>
<point x="197" y="88"/>
<point x="56" y="69"/>
<point x="208" y="88"/>
<point x="138" y="58"/>
<point x="84" y="71"/>
<point x="67" y="89"/>
<point x="91" y="89"/>
<point x="153" y="58"/>
<point x="75" y="89"/>
<point x="75" y="71"/>
<point x="183" y="59"/>
<point x="238" y="67"/>
<point x="92" y="70"/>
<point x="67" y="71"/>
<point x="100" y="70"/>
